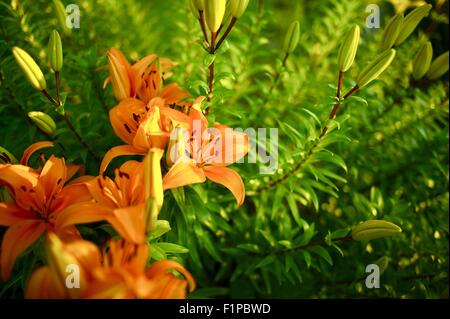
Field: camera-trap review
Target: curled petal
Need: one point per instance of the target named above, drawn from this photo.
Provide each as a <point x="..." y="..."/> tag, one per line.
<point x="34" y="148"/>
<point x="116" y="152"/>
<point x="162" y="267"/>
<point x="228" y="178"/>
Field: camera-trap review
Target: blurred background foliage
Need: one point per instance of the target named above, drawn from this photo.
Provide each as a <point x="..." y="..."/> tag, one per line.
<point x="387" y="158"/>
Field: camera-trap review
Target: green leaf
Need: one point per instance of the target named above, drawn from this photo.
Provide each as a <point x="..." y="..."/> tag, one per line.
<point x="322" y="252"/>
<point x="157" y="253"/>
<point x="171" y="248"/>
<point x="266" y="261"/>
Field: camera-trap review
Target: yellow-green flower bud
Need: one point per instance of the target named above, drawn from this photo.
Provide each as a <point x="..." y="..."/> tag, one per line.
<point x="391" y="32"/>
<point x="6" y="157"/>
<point x="199" y="4"/>
<point x="373" y="229"/>
<point x="411" y="21"/>
<point x="238" y="7"/>
<point x="61" y="15"/>
<point x="376" y="67"/>
<point x="422" y="61"/>
<point x="30" y="68"/>
<point x="44" y="122"/>
<point x="292" y="38"/>
<point x="55" y="52"/>
<point x="349" y="47"/>
<point x="438" y="67"/>
<point x="214" y="13"/>
<point x="194" y="9"/>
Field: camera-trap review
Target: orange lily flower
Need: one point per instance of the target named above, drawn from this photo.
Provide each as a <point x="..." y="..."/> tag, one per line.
<point x="143" y="80"/>
<point x="119" y="273"/>
<point x="211" y="150"/>
<point x="142" y="127"/>
<point x="121" y="202"/>
<point x="39" y="196"/>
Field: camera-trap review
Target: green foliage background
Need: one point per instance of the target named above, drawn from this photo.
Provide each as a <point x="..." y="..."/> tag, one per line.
<point x="387" y="158"/>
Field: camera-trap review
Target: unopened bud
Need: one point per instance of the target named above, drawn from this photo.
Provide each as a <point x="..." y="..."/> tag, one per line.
<point x="194" y="9"/>
<point x="349" y="47"/>
<point x="61" y="15"/>
<point x="58" y="258"/>
<point x="411" y="21"/>
<point x="199" y="4"/>
<point x="374" y="229"/>
<point x="422" y="61"/>
<point x="30" y="68"/>
<point x="438" y="67"/>
<point x="44" y="122"/>
<point x="292" y="38"/>
<point x="238" y="7"/>
<point x="214" y="13"/>
<point x="391" y="32"/>
<point x="55" y="52"/>
<point x="376" y="67"/>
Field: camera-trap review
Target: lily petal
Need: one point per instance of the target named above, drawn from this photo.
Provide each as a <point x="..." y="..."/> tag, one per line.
<point x="173" y="93"/>
<point x="17" y="239"/>
<point x="10" y="213"/>
<point x="81" y="213"/>
<point x="116" y="152"/>
<point x="129" y="223"/>
<point x="53" y="176"/>
<point x="182" y="174"/>
<point x="34" y="148"/>
<point x="124" y="116"/>
<point x="228" y="178"/>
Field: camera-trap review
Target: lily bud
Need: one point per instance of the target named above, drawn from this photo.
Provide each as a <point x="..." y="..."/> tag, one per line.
<point x="153" y="187"/>
<point x="238" y="7"/>
<point x="153" y="176"/>
<point x="30" y="68"/>
<point x="391" y="32"/>
<point x="55" y="52"/>
<point x="411" y="21"/>
<point x="374" y="229"/>
<point x="199" y="4"/>
<point x="438" y="67"/>
<point x="194" y="9"/>
<point x="177" y="146"/>
<point x="422" y="61"/>
<point x="292" y="38"/>
<point x="61" y="15"/>
<point x="6" y="157"/>
<point x="44" y="122"/>
<point x="58" y="259"/>
<point x="214" y="13"/>
<point x="349" y="47"/>
<point x="376" y="67"/>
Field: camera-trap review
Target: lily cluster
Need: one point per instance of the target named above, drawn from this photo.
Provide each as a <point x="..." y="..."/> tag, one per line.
<point x="158" y="121"/>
